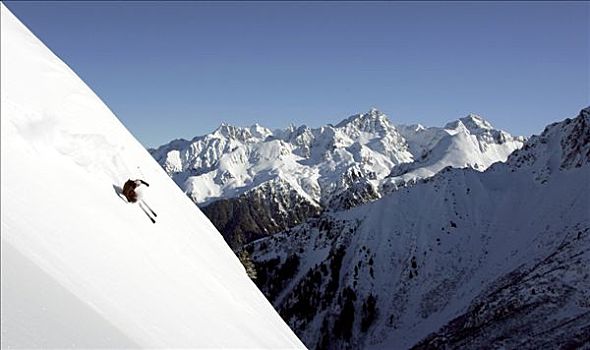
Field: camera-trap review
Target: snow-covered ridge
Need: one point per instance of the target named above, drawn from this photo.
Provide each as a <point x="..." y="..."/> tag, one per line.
<point x="561" y="145"/>
<point x="470" y="142"/>
<point x="80" y="266"/>
<point x="328" y="168"/>
<point x="234" y="160"/>
<point x="464" y="259"/>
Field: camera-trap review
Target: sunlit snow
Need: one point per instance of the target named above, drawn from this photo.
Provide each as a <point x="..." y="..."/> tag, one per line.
<point x="80" y="266"/>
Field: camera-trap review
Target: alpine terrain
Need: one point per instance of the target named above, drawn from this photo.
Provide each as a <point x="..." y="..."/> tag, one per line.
<point x="372" y="235"/>
<point x="254" y="182"/>
<point x="83" y="268"/>
<point x="464" y="259"/>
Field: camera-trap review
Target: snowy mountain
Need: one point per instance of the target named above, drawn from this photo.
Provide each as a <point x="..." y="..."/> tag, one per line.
<point x="256" y="181"/>
<point x="234" y="160"/>
<point x="465" y="259"/>
<point x="80" y="266"/>
<point x="469" y="142"/>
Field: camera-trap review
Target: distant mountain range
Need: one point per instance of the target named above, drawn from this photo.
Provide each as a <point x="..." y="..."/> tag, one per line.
<point x="257" y="182"/>
<point x="404" y="237"/>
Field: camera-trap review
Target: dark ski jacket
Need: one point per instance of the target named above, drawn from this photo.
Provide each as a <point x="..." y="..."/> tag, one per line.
<point x="129" y="189"/>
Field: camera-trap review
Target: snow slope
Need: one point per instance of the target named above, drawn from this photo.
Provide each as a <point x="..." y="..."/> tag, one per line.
<point x="80" y="266"/>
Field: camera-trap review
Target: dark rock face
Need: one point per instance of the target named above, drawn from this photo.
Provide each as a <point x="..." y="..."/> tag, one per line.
<point x="260" y="212"/>
<point x="576" y="146"/>
<point x="358" y="193"/>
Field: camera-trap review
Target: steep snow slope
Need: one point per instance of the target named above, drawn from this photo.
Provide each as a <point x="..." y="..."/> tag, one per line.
<point x="80" y="266"/>
<point x="465" y="259"/>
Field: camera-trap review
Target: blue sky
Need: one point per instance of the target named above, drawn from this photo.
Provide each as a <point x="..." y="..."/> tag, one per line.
<point x="179" y="69"/>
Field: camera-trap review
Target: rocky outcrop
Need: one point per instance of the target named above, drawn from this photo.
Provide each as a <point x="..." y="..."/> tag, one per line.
<point x="267" y="209"/>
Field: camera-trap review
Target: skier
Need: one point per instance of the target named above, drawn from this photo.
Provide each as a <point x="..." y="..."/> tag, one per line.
<point x="129" y="189"/>
<point x="131" y="195"/>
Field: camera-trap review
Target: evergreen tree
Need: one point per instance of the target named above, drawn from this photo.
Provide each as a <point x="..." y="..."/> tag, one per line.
<point x="243" y="255"/>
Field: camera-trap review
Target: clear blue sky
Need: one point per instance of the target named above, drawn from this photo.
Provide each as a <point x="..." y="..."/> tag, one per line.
<point x="171" y="70"/>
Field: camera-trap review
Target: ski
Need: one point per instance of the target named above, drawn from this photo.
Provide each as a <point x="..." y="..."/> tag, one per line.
<point x="146" y="213"/>
<point x="150" y="209"/>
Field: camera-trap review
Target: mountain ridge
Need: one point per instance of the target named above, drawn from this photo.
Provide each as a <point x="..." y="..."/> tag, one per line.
<point x="494" y="258"/>
<point x="361" y="158"/>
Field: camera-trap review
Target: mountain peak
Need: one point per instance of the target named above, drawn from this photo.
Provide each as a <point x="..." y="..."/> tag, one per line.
<point x="225" y="129"/>
<point x="229" y="131"/>
<point x="472" y="122"/>
<point x="562" y="145"/>
<point x="364" y="120"/>
<point x="260" y="131"/>
<point x="374" y="111"/>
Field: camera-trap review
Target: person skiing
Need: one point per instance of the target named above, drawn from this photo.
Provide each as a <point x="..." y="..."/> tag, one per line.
<point x="129" y="189"/>
<point x="132" y="197"/>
